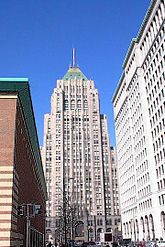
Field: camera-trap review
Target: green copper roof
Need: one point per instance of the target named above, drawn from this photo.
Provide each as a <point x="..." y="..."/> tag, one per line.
<point x="73" y="73"/>
<point x="21" y="87"/>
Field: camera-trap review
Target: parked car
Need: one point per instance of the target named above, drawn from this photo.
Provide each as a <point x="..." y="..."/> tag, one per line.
<point x="151" y="244"/>
<point x="89" y="244"/>
<point x="160" y="243"/>
<point x="138" y="244"/>
<point x="98" y="244"/>
<point x="126" y="242"/>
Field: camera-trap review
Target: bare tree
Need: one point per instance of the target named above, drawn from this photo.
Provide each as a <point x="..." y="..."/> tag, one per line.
<point x="70" y="215"/>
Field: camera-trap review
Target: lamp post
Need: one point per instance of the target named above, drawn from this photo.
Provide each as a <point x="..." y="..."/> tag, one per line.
<point x="27" y="226"/>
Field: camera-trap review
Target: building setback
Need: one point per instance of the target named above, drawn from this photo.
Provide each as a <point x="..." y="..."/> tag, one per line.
<point x="76" y="156"/>
<point x="139" y="111"/>
<point x="21" y="174"/>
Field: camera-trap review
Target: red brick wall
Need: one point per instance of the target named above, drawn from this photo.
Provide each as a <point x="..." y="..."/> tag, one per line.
<point x="29" y="190"/>
<point x="7" y="130"/>
<point x="21" y="180"/>
<point x="7" y="137"/>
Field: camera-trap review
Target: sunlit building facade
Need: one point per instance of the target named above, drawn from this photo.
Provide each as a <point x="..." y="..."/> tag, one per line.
<point x="139" y="112"/>
<point x="76" y="158"/>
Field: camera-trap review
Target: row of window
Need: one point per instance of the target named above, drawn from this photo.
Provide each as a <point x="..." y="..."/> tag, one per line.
<point x="160" y="171"/>
<point x="162" y="199"/>
<point x="128" y="192"/>
<point x="142" y="168"/>
<point x="130" y="181"/>
<point x="141" y="156"/>
<point x="145" y="205"/>
<point x="128" y="202"/>
<point x="75" y="105"/>
<point x="161" y="184"/>
<point x="160" y="156"/>
<point x="152" y="32"/>
<point x="145" y="191"/>
<point x="157" y="129"/>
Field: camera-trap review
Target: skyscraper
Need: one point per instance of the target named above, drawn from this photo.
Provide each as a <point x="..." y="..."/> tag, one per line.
<point x="139" y="107"/>
<point x="76" y="156"/>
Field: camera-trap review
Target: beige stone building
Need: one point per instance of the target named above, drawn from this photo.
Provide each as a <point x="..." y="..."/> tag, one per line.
<point x="77" y="160"/>
<point x="139" y="110"/>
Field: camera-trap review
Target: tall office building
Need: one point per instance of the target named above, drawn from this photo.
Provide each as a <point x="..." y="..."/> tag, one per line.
<point x="76" y="155"/>
<point x="139" y="111"/>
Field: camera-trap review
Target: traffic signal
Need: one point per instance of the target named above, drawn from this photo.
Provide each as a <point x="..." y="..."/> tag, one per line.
<point x="37" y="209"/>
<point x="20" y="210"/>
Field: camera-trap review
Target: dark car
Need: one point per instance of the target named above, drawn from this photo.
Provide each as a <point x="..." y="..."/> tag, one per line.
<point x="88" y="244"/>
<point x="126" y="242"/>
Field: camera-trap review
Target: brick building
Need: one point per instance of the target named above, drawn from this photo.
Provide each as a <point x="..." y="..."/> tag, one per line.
<point x="21" y="174"/>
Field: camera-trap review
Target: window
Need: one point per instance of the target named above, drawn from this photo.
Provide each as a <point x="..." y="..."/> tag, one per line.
<point x="66" y="105"/>
<point x="72" y="104"/>
<point x="79" y="104"/>
<point x="85" y="104"/>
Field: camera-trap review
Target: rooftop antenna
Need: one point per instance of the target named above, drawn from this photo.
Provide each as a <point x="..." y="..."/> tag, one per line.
<point x="73" y="58"/>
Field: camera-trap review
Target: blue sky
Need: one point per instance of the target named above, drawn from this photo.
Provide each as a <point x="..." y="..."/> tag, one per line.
<point x="37" y="37"/>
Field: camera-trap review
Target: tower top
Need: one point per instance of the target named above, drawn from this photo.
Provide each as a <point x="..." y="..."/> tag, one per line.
<point x="74" y="72"/>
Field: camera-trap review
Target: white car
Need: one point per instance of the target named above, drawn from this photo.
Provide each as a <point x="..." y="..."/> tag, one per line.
<point x="160" y="243"/>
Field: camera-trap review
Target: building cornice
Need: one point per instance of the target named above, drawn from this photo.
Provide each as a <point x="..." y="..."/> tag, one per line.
<point x="145" y="20"/>
<point x="140" y="33"/>
<point x="130" y="49"/>
<point x="135" y="40"/>
<point x="118" y="86"/>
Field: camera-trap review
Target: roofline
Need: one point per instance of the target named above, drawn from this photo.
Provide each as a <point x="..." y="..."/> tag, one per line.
<point x="21" y="86"/>
<point x="139" y="35"/>
<point x="146" y="18"/>
<point x="135" y="40"/>
<point x="130" y="49"/>
<point x="118" y="86"/>
<point x="10" y="79"/>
